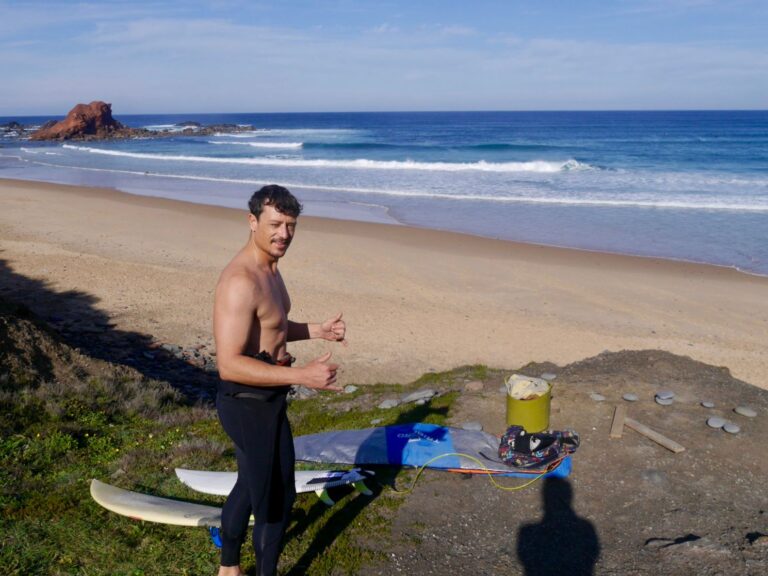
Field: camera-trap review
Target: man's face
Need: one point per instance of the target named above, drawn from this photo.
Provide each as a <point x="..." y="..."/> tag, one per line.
<point x="273" y="231"/>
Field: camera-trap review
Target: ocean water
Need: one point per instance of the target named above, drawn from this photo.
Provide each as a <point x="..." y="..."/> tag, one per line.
<point x="680" y="185"/>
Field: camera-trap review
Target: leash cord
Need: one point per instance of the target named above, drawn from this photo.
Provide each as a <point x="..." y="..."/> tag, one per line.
<point x="485" y="469"/>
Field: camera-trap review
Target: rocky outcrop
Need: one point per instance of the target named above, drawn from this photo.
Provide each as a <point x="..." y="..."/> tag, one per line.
<point x="94" y="121"/>
<point x="84" y="121"/>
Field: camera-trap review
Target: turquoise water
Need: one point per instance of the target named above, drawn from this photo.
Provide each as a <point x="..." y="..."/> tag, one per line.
<point x="679" y="185"/>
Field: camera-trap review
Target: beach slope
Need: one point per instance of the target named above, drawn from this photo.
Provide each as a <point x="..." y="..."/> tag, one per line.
<point x="414" y="300"/>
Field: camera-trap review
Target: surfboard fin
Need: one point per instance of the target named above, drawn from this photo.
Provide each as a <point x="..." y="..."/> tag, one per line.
<point x="215" y="536"/>
<point x="362" y="488"/>
<point x="325" y="498"/>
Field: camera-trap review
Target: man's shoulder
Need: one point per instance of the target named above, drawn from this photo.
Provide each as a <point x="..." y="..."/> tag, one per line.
<point x="237" y="277"/>
<point x="237" y="280"/>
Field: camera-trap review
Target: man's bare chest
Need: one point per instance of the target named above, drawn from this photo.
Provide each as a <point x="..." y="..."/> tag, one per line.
<point x="273" y="304"/>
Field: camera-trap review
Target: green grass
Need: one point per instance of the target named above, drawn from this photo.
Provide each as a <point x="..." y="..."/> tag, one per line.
<point x="133" y="434"/>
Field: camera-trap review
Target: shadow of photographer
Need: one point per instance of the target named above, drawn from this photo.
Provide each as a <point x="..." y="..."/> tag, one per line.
<point x="562" y="542"/>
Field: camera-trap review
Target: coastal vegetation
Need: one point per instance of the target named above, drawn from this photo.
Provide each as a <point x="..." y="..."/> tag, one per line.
<point x="67" y="418"/>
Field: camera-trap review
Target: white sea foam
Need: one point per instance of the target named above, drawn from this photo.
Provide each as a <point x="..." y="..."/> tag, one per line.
<point x="36" y="152"/>
<point x="358" y="164"/>
<point x="711" y="204"/>
<point x="294" y="132"/>
<point x="260" y="144"/>
<point x="168" y="128"/>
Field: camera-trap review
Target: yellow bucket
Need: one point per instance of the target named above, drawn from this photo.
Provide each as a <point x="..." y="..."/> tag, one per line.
<point x="533" y="415"/>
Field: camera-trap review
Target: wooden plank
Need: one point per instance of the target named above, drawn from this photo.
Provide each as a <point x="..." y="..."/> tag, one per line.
<point x="617" y="426"/>
<point x="653" y="435"/>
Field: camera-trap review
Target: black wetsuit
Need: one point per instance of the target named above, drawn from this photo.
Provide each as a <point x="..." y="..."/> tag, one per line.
<point x="256" y="421"/>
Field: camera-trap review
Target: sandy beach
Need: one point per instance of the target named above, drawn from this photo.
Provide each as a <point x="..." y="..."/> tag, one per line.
<point x="414" y="300"/>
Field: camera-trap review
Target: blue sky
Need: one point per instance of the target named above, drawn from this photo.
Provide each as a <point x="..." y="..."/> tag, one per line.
<point x="341" y="55"/>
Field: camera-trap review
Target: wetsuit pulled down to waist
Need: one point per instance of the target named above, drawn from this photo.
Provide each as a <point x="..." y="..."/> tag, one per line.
<point x="266" y="393"/>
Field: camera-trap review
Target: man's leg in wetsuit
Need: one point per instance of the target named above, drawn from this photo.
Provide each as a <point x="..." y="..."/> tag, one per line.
<point x="268" y="537"/>
<point x="265" y="485"/>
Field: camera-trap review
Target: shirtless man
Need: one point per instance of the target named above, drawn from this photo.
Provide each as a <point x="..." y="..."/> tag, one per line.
<point x="251" y="329"/>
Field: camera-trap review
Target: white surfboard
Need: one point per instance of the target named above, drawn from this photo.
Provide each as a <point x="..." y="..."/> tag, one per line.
<point x="167" y="511"/>
<point x="154" y="508"/>
<point x="318" y="481"/>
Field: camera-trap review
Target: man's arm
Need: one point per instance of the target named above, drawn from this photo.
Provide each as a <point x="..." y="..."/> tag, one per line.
<point x="333" y="329"/>
<point x="234" y="311"/>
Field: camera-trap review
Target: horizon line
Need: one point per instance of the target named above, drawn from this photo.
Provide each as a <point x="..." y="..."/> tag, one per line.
<point x="436" y="111"/>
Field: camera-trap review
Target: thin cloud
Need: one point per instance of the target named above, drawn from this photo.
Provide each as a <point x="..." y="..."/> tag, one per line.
<point x="182" y="59"/>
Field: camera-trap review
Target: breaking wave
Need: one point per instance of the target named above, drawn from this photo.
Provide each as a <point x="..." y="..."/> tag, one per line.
<point x="544" y="166"/>
<point x="260" y="144"/>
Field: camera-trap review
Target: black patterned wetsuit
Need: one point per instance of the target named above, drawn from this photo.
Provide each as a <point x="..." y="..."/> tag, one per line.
<point x="256" y="421"/>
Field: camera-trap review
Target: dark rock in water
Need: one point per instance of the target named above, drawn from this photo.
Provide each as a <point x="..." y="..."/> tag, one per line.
<point x="15" y="130"/>
<point x="49" y="124"/>
<point x="84" y="120"/>
<point x="94" y="121"/>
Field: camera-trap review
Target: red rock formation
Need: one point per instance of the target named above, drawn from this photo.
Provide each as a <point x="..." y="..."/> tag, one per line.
<point x="84" y="121"/>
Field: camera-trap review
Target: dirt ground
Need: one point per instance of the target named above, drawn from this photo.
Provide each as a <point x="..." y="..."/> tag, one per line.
<point x="630" y="506"/>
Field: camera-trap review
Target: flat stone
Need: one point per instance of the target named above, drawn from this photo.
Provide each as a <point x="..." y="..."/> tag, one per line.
<point x="117" y="473"/>
<point x="476" y="426"/>
<point x="708" y="404"/>
<point x="597" y="397"/>
<point x="304" y="392"/>
<point x="745" y="411"/>
<point x="421" y="402"/>
<point x="665" y="394"/>
<point x="548" y="376"/>
<point x="630" y="397"/>
<point x="388" y="403"/>
<point x="654" y="476"/>
<point x="664" y="401"/>
<point x="715" y="422"/>
<point x="758" y="539"/>
<point x="349" y="389"/>
<point x="731" y="428"/>
<point x="474" y="386"/>
<point x="697" y="547"/>
<point x="376" y="421"/>
<point x="425" y="393"/>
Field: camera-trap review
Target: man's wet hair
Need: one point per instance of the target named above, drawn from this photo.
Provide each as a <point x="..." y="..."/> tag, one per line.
<point x="276" y="196"/>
